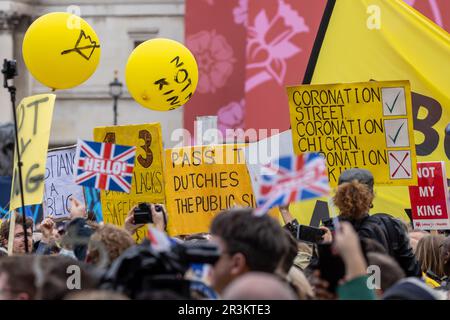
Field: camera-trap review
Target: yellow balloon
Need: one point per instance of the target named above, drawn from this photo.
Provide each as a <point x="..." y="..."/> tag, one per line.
<point x="61" y="50"/>
<point x="161" y="74"/>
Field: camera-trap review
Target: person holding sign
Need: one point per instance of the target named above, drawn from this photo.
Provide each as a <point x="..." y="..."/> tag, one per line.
<point x="354" y="197"/>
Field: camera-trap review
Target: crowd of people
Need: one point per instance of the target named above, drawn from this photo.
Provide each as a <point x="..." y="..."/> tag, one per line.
<point x="244" y="256"/>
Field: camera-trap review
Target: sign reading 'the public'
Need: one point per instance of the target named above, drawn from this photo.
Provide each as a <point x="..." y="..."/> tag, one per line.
<point x="366" y="125"/>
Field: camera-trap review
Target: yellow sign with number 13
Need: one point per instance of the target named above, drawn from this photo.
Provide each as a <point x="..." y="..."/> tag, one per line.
<point x="147" y="184"/>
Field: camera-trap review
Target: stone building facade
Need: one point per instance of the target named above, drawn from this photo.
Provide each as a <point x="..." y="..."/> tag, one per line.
<point x="120" y="25"/>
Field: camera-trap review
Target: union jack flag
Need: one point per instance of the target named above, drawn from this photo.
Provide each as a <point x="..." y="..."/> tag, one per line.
<point x="292" y="178"/>
<point x="104" y="166"/>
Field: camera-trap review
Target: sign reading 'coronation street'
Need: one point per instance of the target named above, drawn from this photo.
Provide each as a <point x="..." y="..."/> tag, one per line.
<point x="357" y="125"/>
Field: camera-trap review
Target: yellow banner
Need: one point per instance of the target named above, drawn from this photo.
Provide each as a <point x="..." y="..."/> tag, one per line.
<point x="389" y="40"/>
<point x="148" y="181"/>
<point x="201" y="181"/>
<point x="34" y="120"/>
<point x="357" y="125"/>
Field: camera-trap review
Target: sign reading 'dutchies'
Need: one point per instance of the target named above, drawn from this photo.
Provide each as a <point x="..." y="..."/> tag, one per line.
<point x="366" y="125"/>
<point x="430" y="198"/>
<point x="59" y="182"/>
<point x="203" y="180"/>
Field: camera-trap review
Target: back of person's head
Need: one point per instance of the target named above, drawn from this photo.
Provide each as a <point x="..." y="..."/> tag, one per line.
<point x="445" y="256"/>
<point x="260" y="239"/>
<point x="258" y="286"/>
<point x="353" y="199"/>
<point x="371" y="245"/>
<point x="56" y="276"/>
<point x="390" y="270"/>
<point x="17" y="278"/>
<point x="112" y="239"/>
<point x="36" y="277"/>
<point x="428" y="254"/>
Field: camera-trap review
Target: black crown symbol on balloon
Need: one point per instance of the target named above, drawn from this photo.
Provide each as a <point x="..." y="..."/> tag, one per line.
<point x="84" y="46"/>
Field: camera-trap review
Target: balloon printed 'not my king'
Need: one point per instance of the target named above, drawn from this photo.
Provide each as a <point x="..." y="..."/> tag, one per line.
<point x="161" y="74"/>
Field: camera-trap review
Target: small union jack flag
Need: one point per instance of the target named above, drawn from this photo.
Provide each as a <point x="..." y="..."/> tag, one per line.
<point x="104" y="166"/>
<point x="292" y="178"/>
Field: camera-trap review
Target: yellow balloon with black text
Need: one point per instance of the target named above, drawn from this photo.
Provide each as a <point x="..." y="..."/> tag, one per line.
<point x="61" y="50"/>
<point x="161" y="74"/>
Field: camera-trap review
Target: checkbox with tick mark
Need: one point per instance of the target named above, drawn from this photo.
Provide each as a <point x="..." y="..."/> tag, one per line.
<point x="396" y="132"/>
<point x="393" y="100"/>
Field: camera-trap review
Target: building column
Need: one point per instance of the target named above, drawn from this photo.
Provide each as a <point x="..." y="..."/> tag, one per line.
<point x="8" y="22"/>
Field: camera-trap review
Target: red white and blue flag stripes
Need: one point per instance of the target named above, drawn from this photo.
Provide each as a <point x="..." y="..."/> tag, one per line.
<point x="292" y="178"/>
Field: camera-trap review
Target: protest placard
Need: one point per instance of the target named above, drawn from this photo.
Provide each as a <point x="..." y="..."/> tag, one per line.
<point x="203" y="180"/>
<point x="34" y="119"/>
<point x="147" y="182"/>
<point x="366" y="125"/>
<point x="59" y="182"/>
<point x="430" y="199"/>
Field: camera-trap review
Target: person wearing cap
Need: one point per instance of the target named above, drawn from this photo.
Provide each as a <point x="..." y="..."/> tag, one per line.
<point x="357" y="184"/>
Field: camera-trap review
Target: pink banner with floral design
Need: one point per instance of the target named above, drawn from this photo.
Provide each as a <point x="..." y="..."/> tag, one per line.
<point x="216" y="36"/>
<point x="249" y="50"/>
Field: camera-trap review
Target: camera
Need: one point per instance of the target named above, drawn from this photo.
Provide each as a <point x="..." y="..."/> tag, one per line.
<point x="143" y="214"/>
<point x="142" y="269"/>
<point x="304" y="233"/>
<point x="309" y="234"/>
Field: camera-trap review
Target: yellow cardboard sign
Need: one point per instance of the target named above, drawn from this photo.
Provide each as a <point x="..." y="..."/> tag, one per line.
<point x="34" y="119"/>
<point x="203" y="180"/>
<point x="365" y="125"/>
<point x="148" y="181"/>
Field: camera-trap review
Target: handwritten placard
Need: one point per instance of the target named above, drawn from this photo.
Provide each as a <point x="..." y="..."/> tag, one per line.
<point x="366" y="125"/>
<point x="34" y="119"/>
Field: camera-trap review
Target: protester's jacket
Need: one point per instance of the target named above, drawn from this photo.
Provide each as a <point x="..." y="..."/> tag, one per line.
<point x="389" y="233"/>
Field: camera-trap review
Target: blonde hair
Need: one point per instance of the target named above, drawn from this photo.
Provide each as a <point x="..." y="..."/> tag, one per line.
<point x="428" y="255"/>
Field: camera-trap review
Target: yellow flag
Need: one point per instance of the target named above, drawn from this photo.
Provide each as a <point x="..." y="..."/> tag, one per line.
<point x="388" y="40"/>
<point x="34" y="119"/>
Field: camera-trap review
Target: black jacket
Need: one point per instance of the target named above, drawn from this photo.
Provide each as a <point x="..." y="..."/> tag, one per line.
<point x="389" y="233"/>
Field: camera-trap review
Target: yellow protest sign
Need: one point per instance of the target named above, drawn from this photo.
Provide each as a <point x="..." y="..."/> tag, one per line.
<point x="357" y="125"/>
<point x="201" y="181"/>
<point x="148" y="181"/>
<point x="34" y="119"/>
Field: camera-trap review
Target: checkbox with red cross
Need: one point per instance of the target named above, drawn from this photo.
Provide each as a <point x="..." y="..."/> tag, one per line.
<point x="400" y="164"/>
